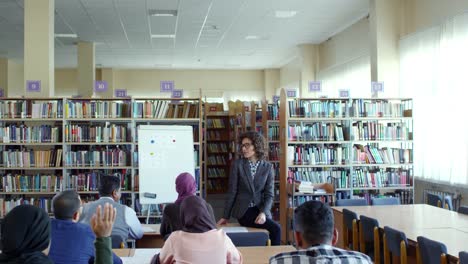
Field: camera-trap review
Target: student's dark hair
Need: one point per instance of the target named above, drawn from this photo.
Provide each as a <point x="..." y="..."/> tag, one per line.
<point x="108" y="184"/>
<point x="258" y="142"/>
<point x="65" y="204"/>
<point x="314" y="220"/>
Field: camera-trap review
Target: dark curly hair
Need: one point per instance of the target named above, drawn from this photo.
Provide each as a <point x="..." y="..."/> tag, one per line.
<point x="258" y="142"/>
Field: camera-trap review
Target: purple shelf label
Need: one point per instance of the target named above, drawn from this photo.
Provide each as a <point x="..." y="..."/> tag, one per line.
<point x="166" y="86"/>
<point x="100" y="86"/>
<point x="291" y="93"/>
<point x="33" y="86"/>
<point x="344" y="93"/>
<point x="315" y="86"/>
<point x="177" y="93"/>
<point x="276" y="99"/>
<point x="377" y="86"/>
<point x="120" y="93"/>
<point x="2" y="94"/>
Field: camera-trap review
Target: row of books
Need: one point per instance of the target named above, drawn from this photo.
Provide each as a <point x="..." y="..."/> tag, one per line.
<point x="98" y="158"/>
<point x="310" y="109"/>
<point x="364" y="108"/>
<point x="216" y="173"/>
<point x="382" y="178"/>
<point x="309" y="154"/>
<point x="29" y="134"/>
<point x="31" y="109"/>
<point x="372" y="155"/>
<point x="215" y="123"/>
<point x="273" y="132"/>
<point x="165" y="109"/>
<point x="319" y="131"/>
<point x="273" y="112"/>
<point x="216" y="135"/>
<point x="216" y="186"/>
<point x="373" y="130"/>
<point x="31" y="158"/>
<point x="6" y="205"/>
<point x="300" y="199"/>
<point x="97" y="109"/>
<point x="216" y="160"/>
<point x="31" y="183"/>
<point x="274" y="152"/>
<point x="405" y="196"/>
<point x="316" y="175"/>
<point x="217" y="147"/>
<point x="90" y="181"/>
<point x="97" y="133"/>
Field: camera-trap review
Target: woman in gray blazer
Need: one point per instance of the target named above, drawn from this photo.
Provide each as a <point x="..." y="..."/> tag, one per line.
<point x="250" y="194"/>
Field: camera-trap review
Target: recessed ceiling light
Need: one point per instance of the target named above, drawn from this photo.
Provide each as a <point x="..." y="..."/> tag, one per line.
<point x="250" y="37"/>
<point x="63" y="35"/>
<point x="163" y="35"/>
<point x="285" y="14"/>
<point x="162" y="13"/>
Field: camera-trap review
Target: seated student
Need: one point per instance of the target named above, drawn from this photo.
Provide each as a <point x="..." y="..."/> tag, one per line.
<point x="315" y="234"/>
<point x="126" y="222"/>
<point x="67" y="209"/>
<point x="199" y="241"/>
<point x="185" y="187"/>
<point x="25" y="236"/>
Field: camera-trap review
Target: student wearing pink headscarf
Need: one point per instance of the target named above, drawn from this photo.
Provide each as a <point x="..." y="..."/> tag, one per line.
<point x="185" y="187"/>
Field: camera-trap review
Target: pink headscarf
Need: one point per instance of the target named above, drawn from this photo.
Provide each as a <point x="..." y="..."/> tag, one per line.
<point x="185" y="186"/>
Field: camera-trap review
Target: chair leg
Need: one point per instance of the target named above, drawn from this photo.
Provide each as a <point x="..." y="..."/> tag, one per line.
<point x="362" y="244"/>
<point x="268" y="242"/>
<point x="403" y="256"/>
<point x="355" y="236"/>
<point x="418" y="255"/>
<point x="376" y="245"/>
<point x="346" y="238"/>
<point x="386" y="253"/>
<point x="443" y="259"/>
<point x="439" y="204"/>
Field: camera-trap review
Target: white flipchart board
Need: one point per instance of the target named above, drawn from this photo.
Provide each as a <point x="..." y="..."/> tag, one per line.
<point x="164" y="152"/>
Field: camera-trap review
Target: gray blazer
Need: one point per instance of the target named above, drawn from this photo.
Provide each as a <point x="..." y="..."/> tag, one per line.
<point x="243" y="189"/>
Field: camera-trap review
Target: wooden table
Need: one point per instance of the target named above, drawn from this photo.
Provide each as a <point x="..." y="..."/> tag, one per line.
<point x="152" y="237"/>
<point x="448" y="227"/>
<point x="250" y="255"/>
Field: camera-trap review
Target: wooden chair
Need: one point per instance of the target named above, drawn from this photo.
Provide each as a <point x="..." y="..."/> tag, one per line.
<point x="463" y="210"/>
<point x="385" y="201"/>
<point x="463" y="257"/>
<point x="431" y="252"/>
<point x="117" y="242"/>
<point x="395" y="245"/>
<point x="350" y="224"/>
<point x="369" y="237"/>
<point x="249" y="239"/>
<point x="434" y="200"/>
<point x="351" y="202"/>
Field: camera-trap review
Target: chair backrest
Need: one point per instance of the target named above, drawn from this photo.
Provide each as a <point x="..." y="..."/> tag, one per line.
<point x="348" y="217"/>
<point x="434" y="199"/>
<point x="248" y="239"/>
<point x="394" y="238"/>
<point x="430" y="250"/>
<point x="463" y="257"/>
<point x="463" y="210"/>
<point x="351" y="202"/>
<point x="385" y="201"/>
<point x="448" y="202"/>
<point x="368" y="225"/>
<point x="118" y="242"/>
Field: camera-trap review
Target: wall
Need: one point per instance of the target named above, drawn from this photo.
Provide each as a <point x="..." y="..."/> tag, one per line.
<point x="290" y="75"/>
<point x="66" y="82"/>
<point x="16" y="86"/>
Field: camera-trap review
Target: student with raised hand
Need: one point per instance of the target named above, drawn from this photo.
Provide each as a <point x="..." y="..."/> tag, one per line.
<point x="316" y="236"/>
<point x="25" y="236"/>
<point x="198" y="241"/>
<point x="251" y="182"/>
<point x="126" y="224"/>
<point x="66" y="207"/>
<point x="102" y="224"/>
<point x="185" y="187"/>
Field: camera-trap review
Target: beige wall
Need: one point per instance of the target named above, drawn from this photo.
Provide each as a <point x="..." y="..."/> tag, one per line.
<point x="421" y="14"/>
<point x="290" y="75"/>
<point x="16" y="86"/>
<point x="271" y="82"/>
<point x="66" y="82"/>
<point x="345" y="46"/>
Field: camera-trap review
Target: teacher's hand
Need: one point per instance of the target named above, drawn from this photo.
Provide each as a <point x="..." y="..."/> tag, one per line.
<point x="261" y="219"/>
<point x="222" y="221"/>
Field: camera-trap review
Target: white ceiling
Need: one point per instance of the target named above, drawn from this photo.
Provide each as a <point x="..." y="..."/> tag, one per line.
<point x="209" y="33"/>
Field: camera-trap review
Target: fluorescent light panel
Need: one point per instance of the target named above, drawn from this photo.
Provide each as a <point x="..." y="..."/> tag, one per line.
<point x="162" y="13"/>
<point x="63" y="35"/>
<point x="250" y="37"/>
<point x="163" y="35"/>
<point x="285" y="13"/>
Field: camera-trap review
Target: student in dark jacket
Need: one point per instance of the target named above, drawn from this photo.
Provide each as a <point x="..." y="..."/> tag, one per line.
<point x="185" y="187"/>
<point x="71" y="242"/>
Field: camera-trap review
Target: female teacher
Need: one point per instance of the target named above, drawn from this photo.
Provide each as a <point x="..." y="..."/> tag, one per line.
<point x="250" y="194"/>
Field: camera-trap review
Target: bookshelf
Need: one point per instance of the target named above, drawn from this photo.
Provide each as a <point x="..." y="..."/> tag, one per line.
<point x="53" y="144"/>
<point x="361" y="147"/>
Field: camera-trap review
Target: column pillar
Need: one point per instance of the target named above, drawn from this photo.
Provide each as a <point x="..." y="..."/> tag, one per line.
<point x="3" y="77"/>
<point x="39" y="47"/>
<point x="86" y="69"/>
<point x="309" y="57"/>
<point x="384" y="24"/>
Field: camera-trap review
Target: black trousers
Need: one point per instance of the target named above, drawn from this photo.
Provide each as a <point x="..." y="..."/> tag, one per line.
<point x="248" y="220"/>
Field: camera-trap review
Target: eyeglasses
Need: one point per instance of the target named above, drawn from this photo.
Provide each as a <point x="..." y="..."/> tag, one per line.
<point x="246" y="145"/>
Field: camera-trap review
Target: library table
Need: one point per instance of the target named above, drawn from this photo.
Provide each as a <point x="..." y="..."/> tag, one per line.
<point x="153" y="239"/>
<point x="250" y="255"/>
<point x="448" y="227"/>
